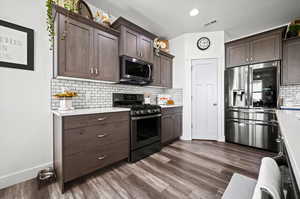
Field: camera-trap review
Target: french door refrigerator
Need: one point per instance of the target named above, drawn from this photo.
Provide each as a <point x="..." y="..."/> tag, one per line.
<point x="251" y="94"/>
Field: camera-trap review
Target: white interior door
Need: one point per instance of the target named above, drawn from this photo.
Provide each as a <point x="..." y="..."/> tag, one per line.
<point x="205" y="99"/>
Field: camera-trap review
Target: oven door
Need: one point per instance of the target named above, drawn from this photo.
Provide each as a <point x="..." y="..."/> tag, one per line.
<point x="134" y="70"/>
<point x="145" y="130"/>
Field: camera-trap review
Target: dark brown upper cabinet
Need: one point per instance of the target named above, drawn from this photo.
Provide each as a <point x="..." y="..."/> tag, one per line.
<point x="291" y="62"/>
<point x="255" y="49"/>
<point x="162" y="70"/>
<point x="135" y="41"/>
<point x="166" y="71"/>
<point x="106" y="56"/>
<point x="75" y="47"/>
<point x="129" y="43"/>
<point x="266" y="47"/>
<point x="84" y="49"/>
<point x="146" y="49"/>
<point x="237" y="54"/>
<point x="156" y="72"/>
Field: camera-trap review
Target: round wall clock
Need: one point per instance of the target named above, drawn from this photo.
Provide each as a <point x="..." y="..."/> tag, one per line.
<point x="203" y="43"/>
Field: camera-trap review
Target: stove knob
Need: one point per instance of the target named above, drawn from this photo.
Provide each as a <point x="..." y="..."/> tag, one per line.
<point x="142" y="112"/>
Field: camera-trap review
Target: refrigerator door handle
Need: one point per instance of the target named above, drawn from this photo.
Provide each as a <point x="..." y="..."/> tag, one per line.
<point x="250" y="101"/>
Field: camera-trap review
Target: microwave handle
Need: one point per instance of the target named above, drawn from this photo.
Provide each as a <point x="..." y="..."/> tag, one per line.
<point x="150" y="71"/>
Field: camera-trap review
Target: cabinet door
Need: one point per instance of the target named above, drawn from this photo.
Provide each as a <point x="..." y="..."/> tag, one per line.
<point x="178" y="125"/>
<point x="75" y="44"/>
<point x="291" y="62"/>
<point x="106" y="56"/>
<point x="130" y="43"/>
<point x="166" y="71"/>
<point x="156" y="71"/>
<point x="146" y="49"/>
<point x="265" y="48"/>
<point x="237" y="54"/>
<point x="167" y="128"/>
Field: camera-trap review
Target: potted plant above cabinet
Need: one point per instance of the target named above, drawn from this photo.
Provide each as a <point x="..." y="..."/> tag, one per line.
<point x="84" y="49"/>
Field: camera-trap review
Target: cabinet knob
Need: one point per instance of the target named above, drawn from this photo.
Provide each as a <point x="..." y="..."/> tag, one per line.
<point x="101" y="136"/>
<point x="102" y="157"/>
<point x="101" y="119"/>
<point x="64" y="35"/>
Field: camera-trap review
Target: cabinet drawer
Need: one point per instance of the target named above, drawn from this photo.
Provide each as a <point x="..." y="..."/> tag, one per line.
<point x="95" y="119"/>
<point x="83" y="139"/>
<point x="171" y="110"/>
<point x="85" y="162"/>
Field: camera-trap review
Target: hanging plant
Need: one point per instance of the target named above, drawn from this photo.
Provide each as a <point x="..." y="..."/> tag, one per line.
<point x="70" y="5"/>
<point x="50" y="21"/>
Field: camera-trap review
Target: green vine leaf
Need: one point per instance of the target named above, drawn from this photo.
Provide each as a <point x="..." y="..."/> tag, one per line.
<point x="50" y="22"/>
<point x="70" y="5"/>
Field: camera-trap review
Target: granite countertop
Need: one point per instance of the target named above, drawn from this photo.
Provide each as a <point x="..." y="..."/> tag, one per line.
<point x="170" y="106"/>
<point x="289" y="122"/>
<point x="89" y="111"/>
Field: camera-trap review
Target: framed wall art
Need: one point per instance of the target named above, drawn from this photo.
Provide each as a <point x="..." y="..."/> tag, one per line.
<point x="16" y="46"/>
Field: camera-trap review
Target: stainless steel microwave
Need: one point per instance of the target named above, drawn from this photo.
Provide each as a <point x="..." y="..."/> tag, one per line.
<point x="134" y="71"/>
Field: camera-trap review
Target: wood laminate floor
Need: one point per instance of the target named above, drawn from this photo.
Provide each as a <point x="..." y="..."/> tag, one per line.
<point x="184" y="169"/>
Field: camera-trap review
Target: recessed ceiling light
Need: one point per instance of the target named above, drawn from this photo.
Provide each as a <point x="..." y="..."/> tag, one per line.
<point x="194" y="12"/>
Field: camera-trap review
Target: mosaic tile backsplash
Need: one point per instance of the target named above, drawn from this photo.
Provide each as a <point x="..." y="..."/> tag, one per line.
<point x="290" y="95"/>
<point x="97" y="94"/>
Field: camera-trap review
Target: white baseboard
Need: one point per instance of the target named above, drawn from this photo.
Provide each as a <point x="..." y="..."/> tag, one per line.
<point x="21" y="176"/>
<point x="221" y="139"/>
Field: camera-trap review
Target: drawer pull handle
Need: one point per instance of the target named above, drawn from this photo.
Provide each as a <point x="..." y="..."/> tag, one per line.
<point x="101" y="118"/>
<point x="102" y="157"/>
<point x="101" y="136"/>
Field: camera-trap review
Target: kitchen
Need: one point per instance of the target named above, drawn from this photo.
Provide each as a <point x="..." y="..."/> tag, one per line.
<point x="133" y="103"/>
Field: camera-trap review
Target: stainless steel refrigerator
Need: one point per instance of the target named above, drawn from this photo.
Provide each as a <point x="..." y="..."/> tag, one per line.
<point x="251" y="94"/>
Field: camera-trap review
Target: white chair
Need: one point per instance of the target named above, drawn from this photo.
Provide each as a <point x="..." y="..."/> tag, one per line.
<point x="268" y="185"/>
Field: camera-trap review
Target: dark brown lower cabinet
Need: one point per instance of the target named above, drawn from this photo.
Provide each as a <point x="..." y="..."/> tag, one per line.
<point x="83" y="144"/>
<point x="171" y="124"/>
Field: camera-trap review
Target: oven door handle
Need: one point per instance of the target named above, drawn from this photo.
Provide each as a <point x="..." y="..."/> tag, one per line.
<point x="145" y="117"/>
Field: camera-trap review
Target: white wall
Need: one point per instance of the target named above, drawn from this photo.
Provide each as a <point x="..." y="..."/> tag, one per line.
<point x="185" y="50"/>
<point x="25" y="122"/>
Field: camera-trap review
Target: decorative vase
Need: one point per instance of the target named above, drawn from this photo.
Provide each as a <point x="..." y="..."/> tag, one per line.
<point x="66" y="104"/>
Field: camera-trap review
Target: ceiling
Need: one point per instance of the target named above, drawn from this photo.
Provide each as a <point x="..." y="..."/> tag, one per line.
<point x="170" y="18"/>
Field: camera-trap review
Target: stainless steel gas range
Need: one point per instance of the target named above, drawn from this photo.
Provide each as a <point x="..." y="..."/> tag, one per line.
<point x="145" y="125"/>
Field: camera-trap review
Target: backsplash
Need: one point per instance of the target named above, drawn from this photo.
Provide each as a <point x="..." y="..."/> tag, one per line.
<point x="290" y="95"/>
<point x="97" y="94"/>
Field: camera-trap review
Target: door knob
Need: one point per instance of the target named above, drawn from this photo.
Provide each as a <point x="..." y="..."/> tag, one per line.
<point x="215" y="104"/>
